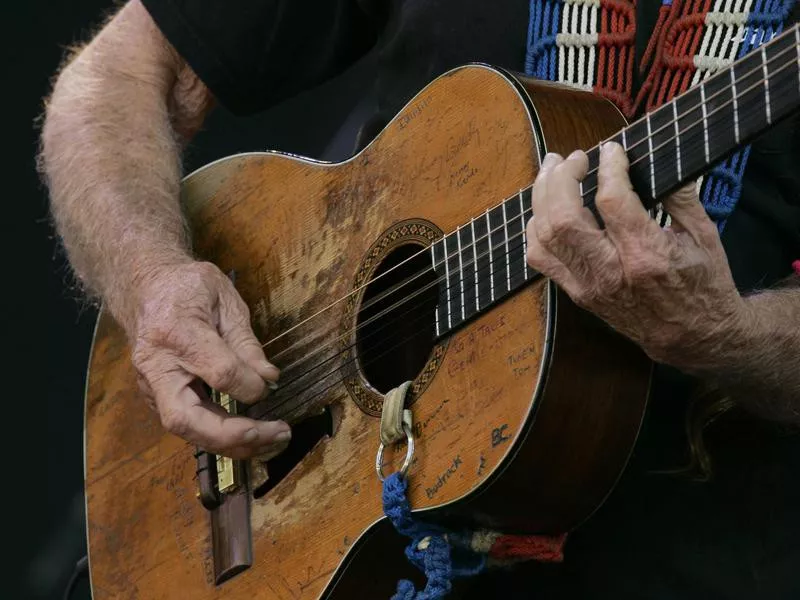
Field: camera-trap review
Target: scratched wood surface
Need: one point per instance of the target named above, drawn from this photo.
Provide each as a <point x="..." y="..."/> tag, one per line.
<point x="295" y="233"/>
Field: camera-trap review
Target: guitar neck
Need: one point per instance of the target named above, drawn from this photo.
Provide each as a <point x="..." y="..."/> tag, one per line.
<point x="682" y="139"/>
<point x="483" y="261"/>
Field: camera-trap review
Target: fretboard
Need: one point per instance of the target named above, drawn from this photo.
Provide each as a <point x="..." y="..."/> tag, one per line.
<point x="483" y="261"/>
<point x="684" y="138"/>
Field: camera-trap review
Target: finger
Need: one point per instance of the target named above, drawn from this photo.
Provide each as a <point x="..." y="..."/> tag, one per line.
<point x="269" y="452"/>
<point x="550" y="160"/>
<point x="235" y="329"/>
<point x="616" y="201"/>
<point x="545" y="263"/>
<point x="565" y="194"/>
<point x="539" y="193"/>
<point x="184" y="414"/>
<point x="209" y="357"/>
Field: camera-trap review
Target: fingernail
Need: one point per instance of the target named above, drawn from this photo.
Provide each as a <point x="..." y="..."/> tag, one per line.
<point x="272" y="385"/>
<point x="251" y="435"/>
<point x="267" y="365"/>
<point x="284" y="436"/>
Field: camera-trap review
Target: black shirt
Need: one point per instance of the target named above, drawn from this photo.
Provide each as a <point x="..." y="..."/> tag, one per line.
<point x="658" y="535"/>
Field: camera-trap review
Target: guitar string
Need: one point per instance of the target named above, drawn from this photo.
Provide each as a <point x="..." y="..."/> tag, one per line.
<point x="435" y="283"/>
<point x="271" y="409"/>
<point x="671" y="124"/>
<point x="469" y="262"/>
<point x="394" y="319"/>
<point x="332" y="372"/>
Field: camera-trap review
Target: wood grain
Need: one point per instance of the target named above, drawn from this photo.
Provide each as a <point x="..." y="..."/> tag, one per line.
<point x="296" y="233"/>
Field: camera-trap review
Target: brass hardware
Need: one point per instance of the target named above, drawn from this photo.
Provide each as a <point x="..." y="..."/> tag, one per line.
<point x="228" y="476"/>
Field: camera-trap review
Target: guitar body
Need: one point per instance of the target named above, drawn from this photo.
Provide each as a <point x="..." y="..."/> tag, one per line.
<point x="524" y="417"/>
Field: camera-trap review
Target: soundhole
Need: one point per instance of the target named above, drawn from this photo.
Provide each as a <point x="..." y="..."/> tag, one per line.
<point x="396" y="321"/>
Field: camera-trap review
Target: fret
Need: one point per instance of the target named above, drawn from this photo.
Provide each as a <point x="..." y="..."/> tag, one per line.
<point x="490" y="253"/>
<point x="639" y="156"/>
<point x="691" y="136"/>
<point x="704" y="110"/>
<point x="455" y="300"/>
<point x="750" y="94"/>
<point x="766" y="85"/>
<point x="590" y="181"/>
<point x="446" y="261"/>
<point x="484" y="271"/>
<point x="508" y="256"/>
<point x="663" y="143"/>
<point x="468" y="291"/>
<point x="516" y="254"/>
<point x="524" y="200"/>
<point x="437" y="259"/>
<point x="460" y="271"/>
<point x="797" y="46"/>
<point x="735" y="107"/>
<point x="677" y="141"/>
<point x="721" y="114"/>
<point x="475" y="264"/>
<point x="497" y="241"/>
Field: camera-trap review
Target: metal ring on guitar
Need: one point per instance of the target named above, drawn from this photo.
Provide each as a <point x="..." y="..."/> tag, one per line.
<point x="409" y="454"/>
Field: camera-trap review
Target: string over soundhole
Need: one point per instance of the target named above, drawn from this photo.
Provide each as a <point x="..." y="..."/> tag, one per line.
<point x="394" y="316"/>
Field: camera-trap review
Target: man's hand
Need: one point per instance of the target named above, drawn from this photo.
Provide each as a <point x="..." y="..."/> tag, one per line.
<point x="669" y="290"/>
<point x="191" y="323"/>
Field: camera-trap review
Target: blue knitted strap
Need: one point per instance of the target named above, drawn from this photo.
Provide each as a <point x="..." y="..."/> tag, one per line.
<point x="429" y="549"/>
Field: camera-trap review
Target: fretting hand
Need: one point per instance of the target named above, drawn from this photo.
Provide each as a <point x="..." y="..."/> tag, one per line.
<point x="191" y="323"/>
<point x="669" y="290"/>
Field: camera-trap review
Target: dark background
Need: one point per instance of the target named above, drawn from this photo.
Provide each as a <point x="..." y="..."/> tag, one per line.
<point x="48" y="324"/>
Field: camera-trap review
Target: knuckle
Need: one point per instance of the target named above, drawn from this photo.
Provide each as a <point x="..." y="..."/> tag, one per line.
<point x="606" y="195"/>
<point x="222" y="376"/>
<point x="644" y="271"/>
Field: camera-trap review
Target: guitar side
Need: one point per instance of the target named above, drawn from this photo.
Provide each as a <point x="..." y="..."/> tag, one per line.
<point x="509" y="435"/>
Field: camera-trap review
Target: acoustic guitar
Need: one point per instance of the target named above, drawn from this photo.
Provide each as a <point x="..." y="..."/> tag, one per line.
<point x="404" y="263"/>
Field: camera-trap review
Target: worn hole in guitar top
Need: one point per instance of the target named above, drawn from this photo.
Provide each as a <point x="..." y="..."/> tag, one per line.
<point x="396" y="333"/>
<point x="305" y="436"/>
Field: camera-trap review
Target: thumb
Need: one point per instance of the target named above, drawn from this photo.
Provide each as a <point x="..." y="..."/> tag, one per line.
<point x="685" y="209"/>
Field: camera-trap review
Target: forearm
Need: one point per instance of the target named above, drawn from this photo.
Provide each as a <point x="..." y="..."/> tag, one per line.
<point x="111" y="159"/>
<point x="758" y="360"/>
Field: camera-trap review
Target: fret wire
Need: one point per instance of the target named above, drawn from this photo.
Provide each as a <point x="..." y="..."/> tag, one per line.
<point x="766" y="84"/>
<point x="508" y="258"/>
<point x="677" y="140"/>
<point x="705" y="121"/>
<point x="447" y="282"/>
<point x="460" y="271"/>
<point x="433" y="259"/>
<point x="491" y="258"/>
<point x="475" y="263"/>
<point x="652" y="159"/>
<point x="524" y="238"/>
<point x="735" y="105"/>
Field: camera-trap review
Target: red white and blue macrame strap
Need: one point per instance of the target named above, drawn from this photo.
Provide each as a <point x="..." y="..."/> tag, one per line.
<point x="590" y="44"/>
<point x="444" y="555"/>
